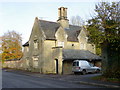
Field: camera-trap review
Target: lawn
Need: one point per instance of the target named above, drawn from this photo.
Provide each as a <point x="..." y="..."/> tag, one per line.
<point x="102" y="78"/>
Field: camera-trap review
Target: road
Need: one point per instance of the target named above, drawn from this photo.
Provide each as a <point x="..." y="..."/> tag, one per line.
<point x="14" y="80"/>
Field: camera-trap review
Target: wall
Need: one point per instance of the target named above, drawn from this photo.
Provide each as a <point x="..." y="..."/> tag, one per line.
<point x="48" y="64"/>
<point x="91" y="48"/>
<point x="18" y="64"/>
<point x="51" y="53"/>
<point x="67" y="67"/>
<point x="57" y="54"/>
<point x="72" y="45"/>
<point x="36" y="49"/>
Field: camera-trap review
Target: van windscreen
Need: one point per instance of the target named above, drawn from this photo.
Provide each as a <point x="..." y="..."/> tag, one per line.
<point x="75" y="63"/>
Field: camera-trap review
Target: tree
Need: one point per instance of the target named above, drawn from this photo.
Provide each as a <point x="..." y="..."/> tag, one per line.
<point x="11" y="46"/>
<point x="104" y="31"/>
<point x="77" y="20"/>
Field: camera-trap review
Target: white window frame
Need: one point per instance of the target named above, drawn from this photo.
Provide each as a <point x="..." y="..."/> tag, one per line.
<point x="27" y="49"/>
<point x="61" y="44"/>
<point x="35" y="45"/>
<point x="27" y="62"/>
<point x="82" y="46"/>
<point x="35" y="62"/>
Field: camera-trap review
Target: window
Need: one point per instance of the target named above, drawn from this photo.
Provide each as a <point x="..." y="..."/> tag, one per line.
<point x="82" y="46"/>
<point x="86" y="39"/>
<point x="27" y="49"/>
<point x="72" y="44"/>
<point x="75" y="63"/>
<point x="61" y="44"/>
<point x="35" y="45"/>
<point x="27" y="62"/>
<point x="35" y="42"/>
<point x="35" y="62"/>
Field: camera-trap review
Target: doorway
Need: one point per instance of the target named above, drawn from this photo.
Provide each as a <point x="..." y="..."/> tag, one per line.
<point x="56" y="65"/>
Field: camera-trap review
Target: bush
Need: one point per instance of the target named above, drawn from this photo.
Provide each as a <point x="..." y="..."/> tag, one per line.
<point x="112" y="73"/>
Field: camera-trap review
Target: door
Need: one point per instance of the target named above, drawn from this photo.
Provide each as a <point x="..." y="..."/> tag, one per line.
<point x="56" y="64"/>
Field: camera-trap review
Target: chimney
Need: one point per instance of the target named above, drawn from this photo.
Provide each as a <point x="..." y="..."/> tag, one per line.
<point x="62" y="17"/>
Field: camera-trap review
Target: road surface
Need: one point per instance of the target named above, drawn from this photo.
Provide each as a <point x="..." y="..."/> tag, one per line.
<point x="14" y="80"/>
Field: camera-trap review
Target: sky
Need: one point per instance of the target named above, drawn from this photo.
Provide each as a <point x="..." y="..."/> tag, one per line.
<point x="20" y="16"/>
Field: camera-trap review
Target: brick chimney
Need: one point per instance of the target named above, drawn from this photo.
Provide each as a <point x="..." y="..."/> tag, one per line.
<point x="62" y="17"/>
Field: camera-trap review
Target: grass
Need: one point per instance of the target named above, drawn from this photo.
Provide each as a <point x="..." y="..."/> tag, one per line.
<point x="102" y="78"/>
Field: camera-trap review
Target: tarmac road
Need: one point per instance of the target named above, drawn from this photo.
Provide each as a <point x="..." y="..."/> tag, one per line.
<point x="15" y="80"/>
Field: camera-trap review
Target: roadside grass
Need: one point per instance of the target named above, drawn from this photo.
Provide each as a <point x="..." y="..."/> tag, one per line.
<point x="102" y="78"/>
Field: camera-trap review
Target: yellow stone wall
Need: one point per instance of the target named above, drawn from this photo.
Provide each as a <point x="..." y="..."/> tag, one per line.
<point x="91" y="48"/>
<point x="67" y="67"/>
<point x="72" y="45"/>
<point x="48" y="59"/>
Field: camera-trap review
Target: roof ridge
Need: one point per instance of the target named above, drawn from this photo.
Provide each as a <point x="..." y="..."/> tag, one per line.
<point x="47" y="21"/>
<point x="57" y="23"/>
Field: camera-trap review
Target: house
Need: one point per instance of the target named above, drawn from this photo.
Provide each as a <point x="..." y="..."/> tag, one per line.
<point x="53" y="46"/>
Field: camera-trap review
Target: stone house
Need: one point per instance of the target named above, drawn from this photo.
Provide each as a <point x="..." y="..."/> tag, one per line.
<point x="53" y="46"/>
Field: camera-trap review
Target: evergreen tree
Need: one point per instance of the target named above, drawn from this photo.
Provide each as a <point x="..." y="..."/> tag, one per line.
<point x="104" y="30"/>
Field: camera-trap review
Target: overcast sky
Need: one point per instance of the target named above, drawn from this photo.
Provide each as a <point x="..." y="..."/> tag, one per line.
<point x="19" y="16"/>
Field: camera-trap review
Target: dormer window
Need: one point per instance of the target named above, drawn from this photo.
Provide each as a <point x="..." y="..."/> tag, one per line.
<point x="35" y="42"/>
<point x="86" y="38"/>
<point x="27" y="49"/>
<point x="61" y="44"/>
<point x="82" y="46"/>
<point x="35" y="61"/>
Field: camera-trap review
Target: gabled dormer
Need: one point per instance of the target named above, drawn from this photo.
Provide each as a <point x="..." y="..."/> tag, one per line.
<point x="83" y="39"/>
<point x="37" y="32"/>
<point x="61" y="37"/>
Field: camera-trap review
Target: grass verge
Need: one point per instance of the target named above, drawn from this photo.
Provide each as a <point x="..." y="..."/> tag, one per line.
<point x="102" y="78"/>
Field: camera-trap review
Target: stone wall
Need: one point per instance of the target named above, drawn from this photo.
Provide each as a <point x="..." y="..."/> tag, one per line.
<point x="17" y="64"/>
<point x="67" y="67"/>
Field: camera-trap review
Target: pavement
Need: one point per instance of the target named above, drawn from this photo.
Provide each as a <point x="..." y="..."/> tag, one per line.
<point x="82" y="79"/>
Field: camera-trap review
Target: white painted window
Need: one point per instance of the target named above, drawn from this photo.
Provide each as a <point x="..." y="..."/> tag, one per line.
<point x="27" y="49"/>
<point x="86" y="39"/>
<point x="61" y="44"/>
<point x="35" y="62"/>
<point x="82" y="46"/>
<point x="27" y="62"/>
<point x="35" y="45"/>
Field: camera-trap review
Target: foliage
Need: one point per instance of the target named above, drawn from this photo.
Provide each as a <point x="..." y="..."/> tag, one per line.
<point x="11" y="46"/>
<point x="105" y="25"/>
<point x="104" y="28"/>
<point x="103" y="78"/>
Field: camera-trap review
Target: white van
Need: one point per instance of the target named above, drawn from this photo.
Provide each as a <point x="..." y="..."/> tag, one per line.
<point x="82" y="66"/>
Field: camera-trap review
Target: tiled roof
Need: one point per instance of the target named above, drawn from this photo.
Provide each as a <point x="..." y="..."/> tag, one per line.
<point x="70" y="54"/>
<point x="50" y="29"/>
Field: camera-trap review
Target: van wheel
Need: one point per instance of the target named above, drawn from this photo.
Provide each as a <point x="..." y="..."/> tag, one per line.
<point x="83" y="72"/>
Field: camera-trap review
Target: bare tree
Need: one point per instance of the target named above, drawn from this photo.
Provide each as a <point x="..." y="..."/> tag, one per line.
<point x="77" y="20"/>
